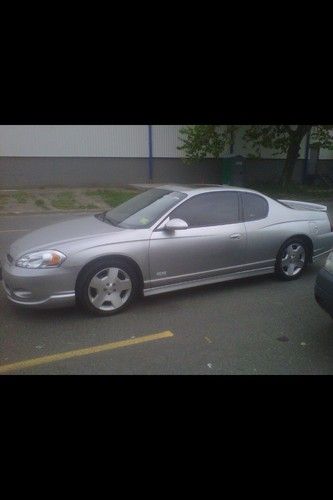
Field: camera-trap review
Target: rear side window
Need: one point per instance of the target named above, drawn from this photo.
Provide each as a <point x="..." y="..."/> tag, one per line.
<point x="211" y="209"/>
<point x="255" y="207"/>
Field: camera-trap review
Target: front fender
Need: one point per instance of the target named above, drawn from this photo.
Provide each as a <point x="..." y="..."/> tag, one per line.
<point x="135" y="250"/>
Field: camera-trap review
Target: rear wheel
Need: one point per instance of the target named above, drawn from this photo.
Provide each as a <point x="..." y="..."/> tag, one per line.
<point x="107" y="287"/>
<point x="291" y="260"/>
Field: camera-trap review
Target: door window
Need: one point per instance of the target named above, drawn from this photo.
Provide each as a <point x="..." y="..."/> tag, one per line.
<point x="255" y="207"/>
<point x="209" y="209"/>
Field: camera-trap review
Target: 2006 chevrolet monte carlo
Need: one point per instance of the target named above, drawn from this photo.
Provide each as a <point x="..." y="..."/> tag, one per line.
<point x="164" y="239"/>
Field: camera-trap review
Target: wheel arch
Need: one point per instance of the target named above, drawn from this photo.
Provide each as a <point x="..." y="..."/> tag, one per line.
<point x="306" y="239"/>
<point x="123" y="258"/>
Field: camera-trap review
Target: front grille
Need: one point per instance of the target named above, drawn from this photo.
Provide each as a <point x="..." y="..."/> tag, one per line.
<point x="9" y="258"/>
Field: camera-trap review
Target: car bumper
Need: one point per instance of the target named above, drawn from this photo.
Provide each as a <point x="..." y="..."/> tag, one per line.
<point x="39" y="288"/>
<point x="324" y="291"/>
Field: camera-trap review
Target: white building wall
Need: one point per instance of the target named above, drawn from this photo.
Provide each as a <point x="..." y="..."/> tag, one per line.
<point x="113" y="141"/>
<point x="165" y="141"/>
<point x="325" y="154"/>
<point x="74" y="140"/>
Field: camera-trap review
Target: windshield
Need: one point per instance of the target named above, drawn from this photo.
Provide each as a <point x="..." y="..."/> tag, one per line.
<point x="145" y="209"/>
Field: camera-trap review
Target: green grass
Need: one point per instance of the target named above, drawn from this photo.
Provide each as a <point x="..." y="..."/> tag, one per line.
<point x="21" y="196"/>
<point x="41" y="204"/>
<point x="90" y="206"/>
<point x="3" y="200"/>
<point x="112" y="197"/>
<point x="65" y="201"/>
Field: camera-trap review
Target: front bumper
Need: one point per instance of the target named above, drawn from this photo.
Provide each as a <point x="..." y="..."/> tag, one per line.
<point x="39" y="288"/>
<point x="324" y="291"/>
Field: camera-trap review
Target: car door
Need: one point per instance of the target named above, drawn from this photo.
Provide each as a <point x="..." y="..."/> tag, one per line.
<point x="214" y="242"/>
<point x="260" y="231"/>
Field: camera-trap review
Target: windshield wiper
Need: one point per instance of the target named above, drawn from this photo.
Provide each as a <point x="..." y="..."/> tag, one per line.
<point x="102" y="217"/>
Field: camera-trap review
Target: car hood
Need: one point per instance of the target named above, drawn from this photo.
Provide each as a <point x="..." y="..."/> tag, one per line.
<point x="63" y="235"/>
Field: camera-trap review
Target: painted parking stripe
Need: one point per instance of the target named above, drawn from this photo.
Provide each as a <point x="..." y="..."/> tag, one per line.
<point x="29" y="363"/>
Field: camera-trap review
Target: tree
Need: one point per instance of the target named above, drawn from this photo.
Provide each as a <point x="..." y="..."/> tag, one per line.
<point x="200" y="141"/>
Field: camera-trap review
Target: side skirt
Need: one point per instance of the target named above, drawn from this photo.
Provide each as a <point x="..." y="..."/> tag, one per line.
<point x="316" y="257"/>
<point x="207" y="281"/>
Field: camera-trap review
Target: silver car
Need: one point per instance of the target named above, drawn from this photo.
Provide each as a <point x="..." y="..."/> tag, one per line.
<point x="162" y="240"/>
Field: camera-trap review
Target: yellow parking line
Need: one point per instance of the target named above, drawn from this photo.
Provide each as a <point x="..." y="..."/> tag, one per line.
<point x="82" y="352"/>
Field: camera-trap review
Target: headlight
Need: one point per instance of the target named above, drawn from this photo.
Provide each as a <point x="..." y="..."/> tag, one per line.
<point x="48" y="258"/>
<point x="329" y="263"/>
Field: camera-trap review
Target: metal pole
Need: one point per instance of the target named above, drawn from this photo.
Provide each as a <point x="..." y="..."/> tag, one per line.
<point x="232" y="142"/>
<point x="305" y="166"/>
<point x="150" y="160"/>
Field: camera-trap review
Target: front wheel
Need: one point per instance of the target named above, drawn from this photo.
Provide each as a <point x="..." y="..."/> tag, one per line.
<point x="291" y="260"/>
<point x="107" y="287"/>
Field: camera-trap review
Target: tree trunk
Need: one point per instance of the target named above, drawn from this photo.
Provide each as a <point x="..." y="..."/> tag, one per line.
<point x="296" y="137"/>
<point x="289" y="165"/>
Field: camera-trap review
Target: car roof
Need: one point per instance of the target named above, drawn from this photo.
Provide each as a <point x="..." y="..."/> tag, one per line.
<point x="204" y="188"/>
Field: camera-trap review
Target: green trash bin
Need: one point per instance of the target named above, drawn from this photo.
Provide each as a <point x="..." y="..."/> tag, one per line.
<point x="226" y="176"/>
<point x="232" y="170"/>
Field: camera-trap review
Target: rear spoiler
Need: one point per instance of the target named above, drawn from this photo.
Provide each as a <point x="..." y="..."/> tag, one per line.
<point x="303" y="205"/>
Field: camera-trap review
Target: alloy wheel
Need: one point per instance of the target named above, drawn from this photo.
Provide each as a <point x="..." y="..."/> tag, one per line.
<point x="293" y="259"/>
<point x="109" y="289"/>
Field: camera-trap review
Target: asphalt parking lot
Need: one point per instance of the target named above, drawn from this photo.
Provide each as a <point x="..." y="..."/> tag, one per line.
<point x="251" y="326"/>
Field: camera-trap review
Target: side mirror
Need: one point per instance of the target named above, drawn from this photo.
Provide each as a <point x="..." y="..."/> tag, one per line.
<point x="174" y="224"/>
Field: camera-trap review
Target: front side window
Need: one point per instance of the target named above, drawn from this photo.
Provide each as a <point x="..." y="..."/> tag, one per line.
<point x="209" y="209"/>
<point x="255" y="207"/>
<point x="145" y="209"/>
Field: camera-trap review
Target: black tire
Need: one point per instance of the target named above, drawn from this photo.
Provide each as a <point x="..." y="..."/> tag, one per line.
<point x="279" y="271"/>
<point x="82" y="287"/>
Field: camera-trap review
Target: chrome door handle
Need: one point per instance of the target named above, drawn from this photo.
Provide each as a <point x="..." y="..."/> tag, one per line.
<point x="235" y="236"/>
